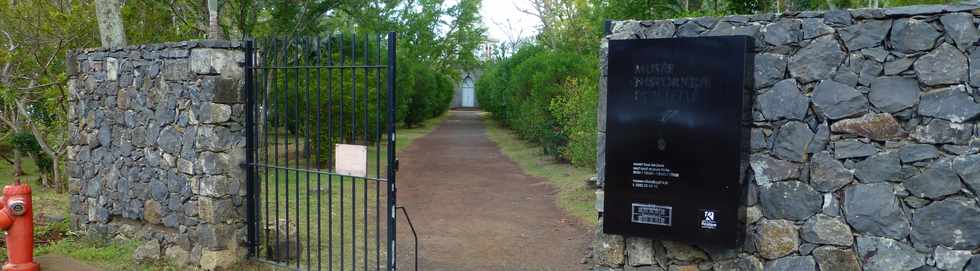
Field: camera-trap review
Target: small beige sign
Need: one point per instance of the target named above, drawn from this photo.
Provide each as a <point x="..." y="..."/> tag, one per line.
<point x="350" y="160"/>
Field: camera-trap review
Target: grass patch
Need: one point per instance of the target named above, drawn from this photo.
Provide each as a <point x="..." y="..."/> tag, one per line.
<point x="113" y="255"/>
<point x="116" y="255"/>
<point x="104" y="253"/>
<point x="574" y="195"/>
<point x="45" y="200"/>
<point x="338" y="220"/>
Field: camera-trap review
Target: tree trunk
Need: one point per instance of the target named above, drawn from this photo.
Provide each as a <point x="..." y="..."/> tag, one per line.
<point x="47" y="149"/>
<point x="18" y="164"/>
<point x="214" y="28"/>
<point x="111" y="31"/>
<point x="59" y="184"/>
<point x="18" y="158"/>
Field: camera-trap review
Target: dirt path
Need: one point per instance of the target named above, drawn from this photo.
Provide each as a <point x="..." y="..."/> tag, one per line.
<point x="475" y="210"/>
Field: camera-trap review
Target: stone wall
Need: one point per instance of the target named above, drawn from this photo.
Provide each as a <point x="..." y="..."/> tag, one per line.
<point x="156" y="141"/>
<point x="864" y="143"/>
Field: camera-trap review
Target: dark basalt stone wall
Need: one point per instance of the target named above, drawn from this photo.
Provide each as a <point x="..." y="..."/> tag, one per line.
<point x="864" y="141"/>
<point x="156" y="140"/>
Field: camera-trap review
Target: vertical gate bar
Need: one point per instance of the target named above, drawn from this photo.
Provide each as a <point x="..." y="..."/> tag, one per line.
<point x="353" y="137"/>
<point x="340" y="121"/>
<point x="250" y="147"/>
<point x="258" y="109"/>
<point x="331" y="146"/>
<point x="277" y="92"/>
<point x="392" y="61"/>
<point x="353" y="90"/>
<point x="287" y="112"/>
<point x="319" y="230"/>
<point x="366" y="141"/>
<point x="306" y="147"/>
<point x="261" y="74"/>
<point x="377" y="157"/>
<point x="265" y="135"/>
<point x="297" y="85"/>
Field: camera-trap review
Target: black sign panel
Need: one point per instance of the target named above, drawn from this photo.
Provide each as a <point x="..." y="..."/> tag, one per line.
<point x="676" y="144"/>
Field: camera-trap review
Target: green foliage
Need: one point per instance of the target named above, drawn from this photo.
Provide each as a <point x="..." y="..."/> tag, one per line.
<point x="435" y="39"/>
<point x="145" y="23"/>
<point x="26" y="143"/>
<point x="104" y="253"/>
<point x="354" y="94"/>
<point x="547" y="91"/>
<point x="524" y="91"/>
<point x="576" y="114"/>
<point x="423" y="93"/>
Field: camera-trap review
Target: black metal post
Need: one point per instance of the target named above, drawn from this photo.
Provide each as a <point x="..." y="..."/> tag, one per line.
<point x="251" y="214"/>
<point x="392" y="62"/>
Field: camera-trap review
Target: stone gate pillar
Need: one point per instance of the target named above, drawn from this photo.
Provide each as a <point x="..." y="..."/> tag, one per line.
<point x="156" y="139"/>
<point x="865" y="143"/>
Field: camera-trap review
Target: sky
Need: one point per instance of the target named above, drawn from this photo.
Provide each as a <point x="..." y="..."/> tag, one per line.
<point x="505" y="22"/>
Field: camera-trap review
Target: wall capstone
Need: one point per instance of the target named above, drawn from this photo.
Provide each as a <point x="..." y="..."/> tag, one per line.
<point x="156" y="139"/>
<point x="864" y="140"/>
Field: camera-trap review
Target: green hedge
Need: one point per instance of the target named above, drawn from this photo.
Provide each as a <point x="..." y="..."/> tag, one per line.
<point x="422" y="93"/>
<point x="548" y="97"/>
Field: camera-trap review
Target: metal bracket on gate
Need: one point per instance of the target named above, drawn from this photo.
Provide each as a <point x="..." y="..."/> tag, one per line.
<point x="414" y="234"/>
<point x="396" y="164"/>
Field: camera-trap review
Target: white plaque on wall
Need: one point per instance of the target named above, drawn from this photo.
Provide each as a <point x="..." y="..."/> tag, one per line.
<point x="350" y="160"/>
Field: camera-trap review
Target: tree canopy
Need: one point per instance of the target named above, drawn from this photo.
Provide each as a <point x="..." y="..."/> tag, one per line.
<point x="548" y="99"/>
<point x="436" y="41"/>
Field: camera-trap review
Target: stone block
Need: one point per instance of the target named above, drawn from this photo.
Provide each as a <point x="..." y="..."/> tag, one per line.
<point x="639" y="251"/>
<point x="881" y="254"/>
<point x="221" y="259"/>
<point x="152" y="212"/>
<point x="953" y="222"/>
<point x="210" y="61"/>
<point x="878" y="127"/>
<point x="791" y="200"/>
<point x="608" y="249"/>
<point x="874" y="209"/>
<point x="149" y="251"/>
<point x="176" y="70"/>
<point x="776" y="238"/>
<point x="228" y="91"/>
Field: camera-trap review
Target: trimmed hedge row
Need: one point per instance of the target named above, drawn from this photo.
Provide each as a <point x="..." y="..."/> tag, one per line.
<point x="548" y="97"/>
<point x="422" y="93"/>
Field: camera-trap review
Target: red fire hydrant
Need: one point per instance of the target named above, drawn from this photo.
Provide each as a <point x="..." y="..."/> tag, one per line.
<point x="16" y="218"/>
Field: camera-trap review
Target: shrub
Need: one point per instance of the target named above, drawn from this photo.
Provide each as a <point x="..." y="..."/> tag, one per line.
<point x="576" y="113"/>
<point x="531" y="93"/>
<point x="428" y="93"/>
<point x="295" y="96"/>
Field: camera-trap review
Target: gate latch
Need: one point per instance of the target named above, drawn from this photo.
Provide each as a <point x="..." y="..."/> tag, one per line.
<point x="396" y="165"/>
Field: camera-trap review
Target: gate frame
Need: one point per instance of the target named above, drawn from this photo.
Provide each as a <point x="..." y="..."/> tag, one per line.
<point x="250" y="165"/>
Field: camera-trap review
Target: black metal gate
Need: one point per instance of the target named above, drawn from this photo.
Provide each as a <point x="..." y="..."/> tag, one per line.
<point x="320" y="115"/>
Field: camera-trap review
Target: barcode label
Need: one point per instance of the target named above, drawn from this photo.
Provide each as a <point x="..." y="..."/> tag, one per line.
<point x="652" y="214"/>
